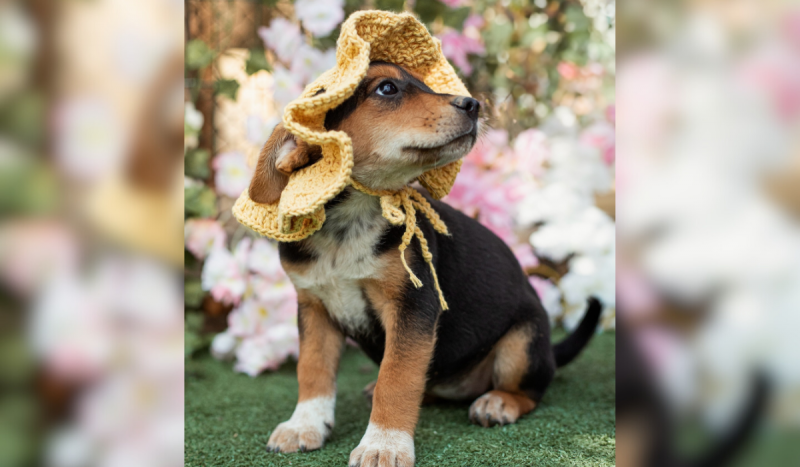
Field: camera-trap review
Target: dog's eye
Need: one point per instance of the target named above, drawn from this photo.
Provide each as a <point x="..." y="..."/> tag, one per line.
<point x="386" y="89"/>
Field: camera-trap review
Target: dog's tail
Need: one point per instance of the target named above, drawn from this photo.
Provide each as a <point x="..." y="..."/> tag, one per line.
<point x="570" y="347"/>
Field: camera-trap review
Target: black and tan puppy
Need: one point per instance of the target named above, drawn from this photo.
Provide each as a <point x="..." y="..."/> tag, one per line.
<point x="492" y="345"/>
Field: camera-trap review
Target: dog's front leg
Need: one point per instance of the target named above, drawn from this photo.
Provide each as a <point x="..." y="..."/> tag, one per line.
<point x="321" y="345"/>
<point x="389" y="439"/>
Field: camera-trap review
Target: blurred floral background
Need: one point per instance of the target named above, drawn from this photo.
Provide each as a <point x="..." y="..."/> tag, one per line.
<point x="91" y="201"/>
<point x="542" y="178"/>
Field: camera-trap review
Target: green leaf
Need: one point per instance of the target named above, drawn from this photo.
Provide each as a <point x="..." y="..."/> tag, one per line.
<point x="192" y="293"/>
<point x="198" y="54"/>
<point x="193" y="338"/>
<point x="455" y="18"/>
<point x="226" y="87"/>
<point x="200" y="201"/>
<point x="256" y="62"/>
<point x="196" y="164"/>
<point x="498" y="37"/>
<point x="389" y="5"/>
<point x="429" y="10"/>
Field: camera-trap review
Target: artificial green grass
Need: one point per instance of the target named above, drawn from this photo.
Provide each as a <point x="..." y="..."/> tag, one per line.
<point x="229" y="417"/>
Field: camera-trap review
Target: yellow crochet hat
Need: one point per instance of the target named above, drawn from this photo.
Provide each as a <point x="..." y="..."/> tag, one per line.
<point x="366" y="36"/>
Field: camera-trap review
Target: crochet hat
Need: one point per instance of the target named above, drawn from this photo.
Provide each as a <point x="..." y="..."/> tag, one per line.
<point x="366" y="36"/>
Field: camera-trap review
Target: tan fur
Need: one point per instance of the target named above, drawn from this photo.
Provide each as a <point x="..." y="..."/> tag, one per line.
<point x="498" y="407"/>
<point x="274" y="165"/>
<point x="389" y="152"/>
<point x="321" y="345"/>
<point x="506" y="403"/>
<point x="511" y="360"/>
<point x="401" y="382"/>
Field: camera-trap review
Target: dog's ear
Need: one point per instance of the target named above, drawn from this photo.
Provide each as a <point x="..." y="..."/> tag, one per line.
<point x="281" y="155"/>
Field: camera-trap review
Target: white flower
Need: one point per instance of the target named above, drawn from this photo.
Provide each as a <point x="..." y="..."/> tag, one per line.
<point x="588" y="276"/>
<point x="579" y="166"/>
<point x="286" y="86"/>
<point x="308" y="63"/>
<point x="264" y="259"/>
<point x="556" y="201"/>
<point x="320" y="17"/>
<point x="71" y="447"/>
<point x="232" y="173"/>
<point x="223" y="347"/>
<point x="282" y="37"/>
<point x="69" y="329"/>
<point x="90" y="141"/>
<point x="589" y="232"/>
<point x="258" y="131"/>
<point x="256" y="354"/>
<point x="192" y="118"/>
<point x="549" y="295"/>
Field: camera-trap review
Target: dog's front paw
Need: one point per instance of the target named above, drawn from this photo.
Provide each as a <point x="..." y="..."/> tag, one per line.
<point x="308" y="428"/>
<point x="383" y="448"/>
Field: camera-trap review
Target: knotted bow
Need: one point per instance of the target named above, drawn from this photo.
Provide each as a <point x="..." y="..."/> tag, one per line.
<point x="411" y="201"/>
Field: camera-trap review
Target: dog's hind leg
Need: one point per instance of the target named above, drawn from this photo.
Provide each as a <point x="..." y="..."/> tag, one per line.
<point x="520" y="375"/>
<point x="321" y="345"/>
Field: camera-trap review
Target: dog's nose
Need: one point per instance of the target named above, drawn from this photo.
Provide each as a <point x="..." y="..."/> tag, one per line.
<point x="468" y="105"/>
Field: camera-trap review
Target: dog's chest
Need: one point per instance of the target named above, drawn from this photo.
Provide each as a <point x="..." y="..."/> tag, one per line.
<point x="344" y="251"/>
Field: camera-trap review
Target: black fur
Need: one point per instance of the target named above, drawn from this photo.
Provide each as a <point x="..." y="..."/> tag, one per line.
<point x="487" y="292"/>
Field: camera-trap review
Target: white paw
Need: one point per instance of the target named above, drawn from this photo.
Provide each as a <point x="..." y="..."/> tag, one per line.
<point x="383" y="448"/>
<point x="311" y="423"/>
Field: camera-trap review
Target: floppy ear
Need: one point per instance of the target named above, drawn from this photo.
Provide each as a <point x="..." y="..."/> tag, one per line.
<point x="280" y="156"/>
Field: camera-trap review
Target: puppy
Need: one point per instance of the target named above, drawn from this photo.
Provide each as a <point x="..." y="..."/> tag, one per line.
<point x="492" y="345"/>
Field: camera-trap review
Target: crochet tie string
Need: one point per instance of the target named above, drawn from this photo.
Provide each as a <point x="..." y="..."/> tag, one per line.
<point x="411" y="201"/>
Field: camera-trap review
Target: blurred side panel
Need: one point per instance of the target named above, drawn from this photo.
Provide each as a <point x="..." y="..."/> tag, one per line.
<point x="708" y="262"/>
<point x="91" y="233"/>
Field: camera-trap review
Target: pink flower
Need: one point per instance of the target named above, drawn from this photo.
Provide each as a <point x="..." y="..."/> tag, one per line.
<point x="491" y="148"/>
<point x="474" y="21"/>
<point x="320" y="17"/>
<point x="530" y="151"/>
<point x="568" y="70"/>
<point x="611" y="114"/>
<point x="233" y="174"/>
<point x="600" y="135"/>
<point x="453" y="3"/>
<point x="282" y="37"/>
<point x="286" y="86"/>
<point x="456" y="46"/>
<point x="203" y="235"/>
<point x="225" y="274"/>
<point x="776" y="73"/>
<point x="490" y="196"/>
<point x="31" y="252"/>
<point x="525" y="256"/>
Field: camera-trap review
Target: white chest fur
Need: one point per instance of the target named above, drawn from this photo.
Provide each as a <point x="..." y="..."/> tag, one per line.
<point x="344" y="257"/>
